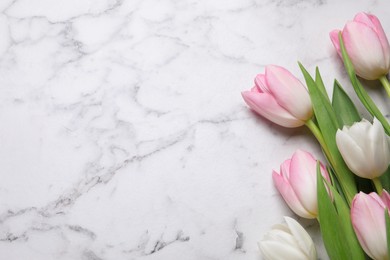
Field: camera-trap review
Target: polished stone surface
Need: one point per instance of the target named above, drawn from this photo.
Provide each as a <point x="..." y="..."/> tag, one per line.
<point x="123" y="133"/>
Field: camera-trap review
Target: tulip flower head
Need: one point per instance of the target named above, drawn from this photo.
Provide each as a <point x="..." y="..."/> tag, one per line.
<point x="280" y="97"/>
<point x="366" y="45"/>
<point x="297" y="183"/>
<point x="368" y="221"/>
<point x="365" y="148"/>
<point x="289" y="241"/>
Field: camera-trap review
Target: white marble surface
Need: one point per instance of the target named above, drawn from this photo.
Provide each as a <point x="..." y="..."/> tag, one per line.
<point x="123" y="133"/>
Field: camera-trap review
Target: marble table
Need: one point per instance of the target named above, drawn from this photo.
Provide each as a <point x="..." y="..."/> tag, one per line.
<point x="123" y="132"/>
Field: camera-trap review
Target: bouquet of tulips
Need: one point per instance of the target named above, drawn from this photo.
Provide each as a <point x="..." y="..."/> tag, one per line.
<point x="348" y="194"/>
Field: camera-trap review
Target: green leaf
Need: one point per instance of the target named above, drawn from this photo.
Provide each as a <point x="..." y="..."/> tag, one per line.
<point x="329" y="224"/>
<point x="344" y="217"/>
<point x="321" y="105"/>
<point x="360" y="91"/>
<point x="385" y="179"/>
<point x="335" y="224"/>
<point x="345" y="109"/>
<point x="335" y="182"/>
<point x="320" y="84"/>
<point x="328" y="124"/>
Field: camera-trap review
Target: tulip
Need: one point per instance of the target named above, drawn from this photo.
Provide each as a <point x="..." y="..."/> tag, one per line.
<point x="297" y="183"/>
<point x="368" y="221"/>
<point x="366" y="45"/>
<point x="365" y="148"/>
<point x="289" y="241"/>
<point x="280" y="97"/>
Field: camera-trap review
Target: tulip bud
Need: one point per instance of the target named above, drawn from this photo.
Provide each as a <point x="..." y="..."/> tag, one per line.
<point x="368" y="221"/>
<point x="280" y="97"/>
<point x="366" y="45"/>
<point x="297" y="183"/>
<point x="289" y="241"/>
<point x="365" y="148"/>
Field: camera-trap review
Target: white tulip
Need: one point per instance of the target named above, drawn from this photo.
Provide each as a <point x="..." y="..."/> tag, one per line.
<point x="289" y="241"/>
<point x="365" y="148"/>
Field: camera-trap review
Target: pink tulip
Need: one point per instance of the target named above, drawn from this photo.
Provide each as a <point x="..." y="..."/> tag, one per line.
<point x="368" y="220"/>
<point x="280" y="97"/>
<point x="366" y="45"/>
<point x="297" y="183"/>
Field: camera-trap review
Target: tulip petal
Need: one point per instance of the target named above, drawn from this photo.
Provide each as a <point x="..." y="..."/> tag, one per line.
<point x="276" y="251"/>
<point x="289" y="196"/>
<point x="352" y="154"/>
<point x="287" y="90"/>
<point x="289" y="241"/>
<point x="334" y="37"/>
<point x="282" y="234"/>
<point x="285" y="169"/>
<point x="261" y="84"/>
<point x="303" y="180"/>
<point x="265" y="105"/>
<point x="358" y="132"/>
<point x="365" y="50"/>
<point x="382" y="38"/>
<point x="256" y="89"/>
<point x="364" y="19"/>
<point x="378" y="148"/>
<point x="369" y="224"/>
<point x="303" y="239"/>
<point x="282" y="227"/>
<point x="365" y="148"/>
<point x="378" y="199"/>
<point x="373" y="22"/>
<point x="385" y="196"/>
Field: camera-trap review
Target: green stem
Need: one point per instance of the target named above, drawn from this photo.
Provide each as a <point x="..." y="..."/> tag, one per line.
<point x="378" y="185"/>
<point x="318" y="135"/>
<point x="386" y="84"/>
